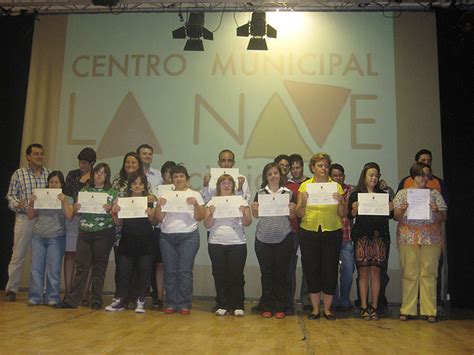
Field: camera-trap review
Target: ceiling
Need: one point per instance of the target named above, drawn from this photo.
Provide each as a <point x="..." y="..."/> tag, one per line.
<point x="13" y="7"/>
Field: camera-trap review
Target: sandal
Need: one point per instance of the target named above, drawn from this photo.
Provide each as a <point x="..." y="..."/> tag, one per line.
<point x="404" y="317"/>
<point x="364" y="313"/>
<point x="373" y="314"/>
<point x="432" y="319"/>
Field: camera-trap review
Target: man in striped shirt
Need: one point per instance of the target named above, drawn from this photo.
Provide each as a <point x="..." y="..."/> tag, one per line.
<point x="22" y="183"/>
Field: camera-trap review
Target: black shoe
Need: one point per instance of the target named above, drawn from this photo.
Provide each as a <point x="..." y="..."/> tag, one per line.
<point x="329" y="316"/>
<point x="290" y="311"/>
<point x="313" y="316"/>
<point x="63" y="305"/>
<point x="257" y="309"/>
<point x="96" y="306"/>
<point x="10" y="296"/>
<point x="307" y="308"/>
<point x="343" y="309"/>
<point x="157" y="304"/>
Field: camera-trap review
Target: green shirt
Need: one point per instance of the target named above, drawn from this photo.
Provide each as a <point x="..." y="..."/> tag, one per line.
<point x="91" y="222"/>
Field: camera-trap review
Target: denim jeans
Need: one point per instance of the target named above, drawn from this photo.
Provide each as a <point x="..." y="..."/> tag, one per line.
<point x="178" y="251"/>
<point x="46" y="260"/>
<point x="346" y="270"/>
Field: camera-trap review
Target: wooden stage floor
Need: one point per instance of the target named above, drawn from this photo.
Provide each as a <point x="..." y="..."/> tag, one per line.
<point x="41" y="329"/>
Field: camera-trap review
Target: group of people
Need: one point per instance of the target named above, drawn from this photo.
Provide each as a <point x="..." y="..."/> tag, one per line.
<point x="157" y="252"/>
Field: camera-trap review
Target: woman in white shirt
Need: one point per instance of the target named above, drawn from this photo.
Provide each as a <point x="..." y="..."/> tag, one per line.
<point x="228" y="250"/>
<point x="179" y="243"/>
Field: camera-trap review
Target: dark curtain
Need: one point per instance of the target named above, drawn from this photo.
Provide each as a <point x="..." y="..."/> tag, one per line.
<point x="16" y="35"/>
<point x="456" y="78"/>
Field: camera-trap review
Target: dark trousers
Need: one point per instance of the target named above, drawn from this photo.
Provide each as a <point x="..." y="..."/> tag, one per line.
<point x="93" y="250"/>
<point x="127" y="266"/>
<point x="292" y="272"/>
<point x="274" y="260"/>
<point x="228" y="262"/>
<point x="132" y="284"/>
<point x="320" y="259"/>
<point x="155" y="261"/>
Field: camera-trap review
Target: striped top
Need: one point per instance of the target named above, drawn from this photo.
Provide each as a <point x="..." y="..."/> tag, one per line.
<point x="273" y="229"/>
<point x="22" y="183"/>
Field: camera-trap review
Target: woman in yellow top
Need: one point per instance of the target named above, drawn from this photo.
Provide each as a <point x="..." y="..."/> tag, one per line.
<point x="320" y="238"/>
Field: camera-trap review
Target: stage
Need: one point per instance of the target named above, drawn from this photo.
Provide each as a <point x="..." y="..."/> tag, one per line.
<point x="41" y="329"/>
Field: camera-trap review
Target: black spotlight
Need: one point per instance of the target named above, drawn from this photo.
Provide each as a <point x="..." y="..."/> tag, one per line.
<point x="108" y="3"/>
<point x="258" y="29"/>
<point x="194" y="30"/>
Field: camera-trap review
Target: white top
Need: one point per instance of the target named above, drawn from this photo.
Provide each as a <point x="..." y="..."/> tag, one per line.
<point x="184" y="222"/>
<point x="227" y="231"/>
<point x="208" y="192"/>
<point x="154" y="178"/>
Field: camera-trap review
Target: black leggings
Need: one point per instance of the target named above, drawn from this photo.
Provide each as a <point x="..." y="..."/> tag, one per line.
<point x="320" y="258"/>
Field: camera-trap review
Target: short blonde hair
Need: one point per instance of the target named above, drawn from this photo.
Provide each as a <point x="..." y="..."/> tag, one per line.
<point x="320" y="156"/>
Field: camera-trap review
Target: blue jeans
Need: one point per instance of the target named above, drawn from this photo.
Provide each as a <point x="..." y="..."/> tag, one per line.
<point x="46" y="260"/>
<point x="178" y="251"/>
<point x="343" y="289"/>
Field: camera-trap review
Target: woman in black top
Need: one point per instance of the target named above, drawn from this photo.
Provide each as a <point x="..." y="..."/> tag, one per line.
<point x="136" y="247"/>
<point x="370" y="235"/>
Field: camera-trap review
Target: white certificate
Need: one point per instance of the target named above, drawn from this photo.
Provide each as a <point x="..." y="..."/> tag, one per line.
<point x="217" y="172"/>
<point x="321" y="193"/>
<point x="176" y="202"/>
<point x="158" y="190"/>
<point x="418" y="204"/>
<point x="371" y="204"/>
<point x="47" y="199"/>
<point x="92" y="202"/>
<point x="273" y="205"/>
<point x="132" y="207"/>
<point x="227" y="206"/>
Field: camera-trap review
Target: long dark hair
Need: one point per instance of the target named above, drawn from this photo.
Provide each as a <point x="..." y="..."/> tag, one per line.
<point x="123" y="175"/>
<point x="361" y="187"/>
<point x="133" y="176"/>
<point x="266" y="168"/>
<point x="58" y="174"/>
<point x="107" y="184"/>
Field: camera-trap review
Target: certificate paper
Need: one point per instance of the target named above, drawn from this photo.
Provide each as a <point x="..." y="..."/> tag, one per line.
<point x="92" y="202"/>
<point x="273" y="205"/>
<point x="217" y="172"/>
<point x="47" y="199"/>
<point x="371" y="204"/>
<point x="176" y="202"/>
<point x="158" y="190"/>
<point x="418" y="204"/>
<point x="227" y="206"/>
<point x="321" y="193"/>
<point x="132" y="207"/>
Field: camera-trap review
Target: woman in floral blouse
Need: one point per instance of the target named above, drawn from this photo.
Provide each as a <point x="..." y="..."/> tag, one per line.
<point x="420" y="242"/>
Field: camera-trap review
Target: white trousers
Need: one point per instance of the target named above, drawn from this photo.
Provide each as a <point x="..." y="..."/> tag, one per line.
<point x="23" y="234"/>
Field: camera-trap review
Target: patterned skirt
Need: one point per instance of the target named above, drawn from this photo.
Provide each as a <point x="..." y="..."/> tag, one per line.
<point x="370" y="252"/>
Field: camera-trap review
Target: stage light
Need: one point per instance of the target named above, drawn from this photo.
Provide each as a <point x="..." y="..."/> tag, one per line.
<point x="194" y="30"/>
<point x="258" y="29"/>
<point x="108" y="3"/>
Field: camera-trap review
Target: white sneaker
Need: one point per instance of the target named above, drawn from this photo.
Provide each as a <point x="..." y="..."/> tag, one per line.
<point x="116" y="305"/>
<point x="221" y="312"/>
<point x="140" y="307"/>
<point x="239" y="313"/>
